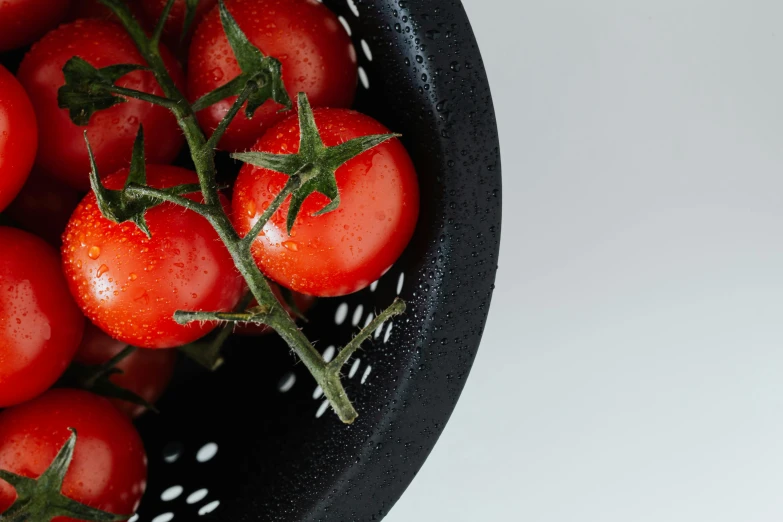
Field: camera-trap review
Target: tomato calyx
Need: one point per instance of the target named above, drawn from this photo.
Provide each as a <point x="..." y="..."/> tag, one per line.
<point x="41" y="499"/>
<point x="97" y="379"/>
<point x="313" y="168"/>
<point x="261" y="77"/>
<point x="88" y="90"/>
<point x="130" y="203"/>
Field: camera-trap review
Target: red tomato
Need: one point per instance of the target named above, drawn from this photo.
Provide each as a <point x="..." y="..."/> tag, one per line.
<point x="109" y="466"/>
<point x="112" y="132"/>
<point x="44" y="207"/>
<point x="302" y="302"/>
<point x="18" y="135"/>
<point x="40" y="326"/>
<point x="317" y="56"/>
<point x="346" y="250"/>
<point x="24" y="21"/>
<point x="146" y="373"/>
<point x="130" y="285"/>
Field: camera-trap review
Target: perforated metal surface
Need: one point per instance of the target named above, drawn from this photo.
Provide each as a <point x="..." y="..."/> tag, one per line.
<point x="256" y="441"/>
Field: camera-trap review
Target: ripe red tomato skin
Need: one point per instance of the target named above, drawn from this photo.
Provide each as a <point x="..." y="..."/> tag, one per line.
<point x="346" y="250"/>
<point x="146" y="373"/>
<point x="62" y="152"/>
<point x="18" y="136"/>
<point x="44" y="207"/>
<point x="109" y="467"/>
<point x="40" y="325"/>
<point x="315" y="51"/>
<point x="130" y="286"/>
<point x="24" y="21"/>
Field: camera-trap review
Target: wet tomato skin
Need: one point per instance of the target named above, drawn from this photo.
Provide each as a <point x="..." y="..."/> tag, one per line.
<point x="316" y="54"/>
<point x="18" y="136"/>
<point x="62" y="150"/>
<point x="146" y="373"/>
<point x="109" y="466"/>
<point x="130" y="285"/>
<point x="40" y="325"/>
<point x="345" y="250"/>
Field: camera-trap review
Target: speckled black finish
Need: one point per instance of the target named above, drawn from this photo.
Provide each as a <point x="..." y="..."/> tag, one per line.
<point x="276" y="461"/>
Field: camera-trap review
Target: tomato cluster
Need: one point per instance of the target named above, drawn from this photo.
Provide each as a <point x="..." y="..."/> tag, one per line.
<point x="86" y="302"/>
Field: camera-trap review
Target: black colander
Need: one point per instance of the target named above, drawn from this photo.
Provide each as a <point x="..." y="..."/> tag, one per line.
<point x="256" y="440"/>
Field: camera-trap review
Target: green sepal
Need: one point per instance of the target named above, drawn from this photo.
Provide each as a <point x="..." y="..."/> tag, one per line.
<point x="314" y="167"/>
<point x="207" y="351"/>
<point x="265" y="72"/>
<point x="289" y="301"/>
<point x="41" y="499"/>
<point x="86" y="88"/>
<point x="164" y="16"/>
<point x="190" y="17"/>
<point x="120" y="206"/>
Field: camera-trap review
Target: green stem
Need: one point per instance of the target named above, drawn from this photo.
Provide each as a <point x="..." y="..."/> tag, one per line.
<point x="203" y="154"/>
<point x="162" y="195"/>
<point x="290" y="186"/>
<point x="396" y="308"/>
<point x="249" y="89"/>
<point x="109" y="365"/>
<point x="219" y="94"/>
<point x="143" y="96"/>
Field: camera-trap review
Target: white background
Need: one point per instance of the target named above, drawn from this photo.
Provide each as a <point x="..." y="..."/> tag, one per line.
<point x="632" y="367"/>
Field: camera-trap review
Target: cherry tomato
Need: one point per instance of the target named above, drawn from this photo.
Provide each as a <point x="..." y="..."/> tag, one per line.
<point x="146" y="373"/>
<point x="302" y="302"/>
<point x="316" y="53"/>
<point x="62" y="152"/>
<point x="44" y="207"/>
<point x="130" y="285"/>
<point x="18" y="135"/>
<point x="345" y="250"/>
<point x="40" y="326"/>
<point x="24" y="21"/>
<point x="109" y="466"/>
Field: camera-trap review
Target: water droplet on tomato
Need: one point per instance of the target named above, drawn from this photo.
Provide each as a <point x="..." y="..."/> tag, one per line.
<point x="293" y="246"/>
<point x="251" y="209"/>
<point x="102" y="270"/>
<point x="94" y="252"/>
